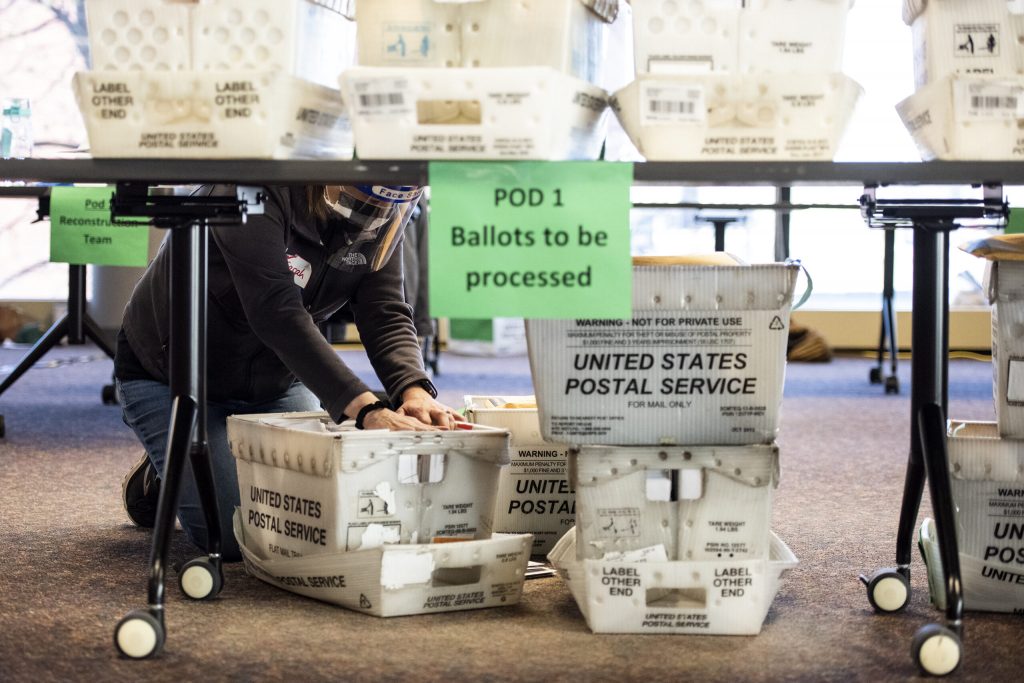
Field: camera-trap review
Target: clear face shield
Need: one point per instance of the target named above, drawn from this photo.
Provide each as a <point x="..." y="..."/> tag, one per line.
<point x="374" y="218"/>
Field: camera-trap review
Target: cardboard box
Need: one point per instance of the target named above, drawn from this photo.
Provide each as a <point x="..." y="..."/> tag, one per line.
<point x="502" y="113"/>
<point x="967" y="118"/>
<point x="965" y="38"/>
<point x="308" y="486"/>
<point x="566" y="35"/>
<point x="310" y="39"/>
<point x="636" y="594"/>
<point x="736" y="37"/>
<point x="695" y="503"/>
<point x="987" y="479"/>
<point x="1004" y="283"/>
<point x="702" y="360"/>
<point x="211" y="115"/>
<point x="721" y="117"/>
<point x="399" y="580"/>
<point x="535" y="494"/>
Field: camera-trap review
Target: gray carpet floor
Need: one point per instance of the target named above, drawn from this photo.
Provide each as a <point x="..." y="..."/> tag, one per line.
<point x="71" y="565"/>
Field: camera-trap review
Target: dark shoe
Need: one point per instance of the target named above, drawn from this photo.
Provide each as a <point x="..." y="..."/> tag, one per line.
<point x="140" y="491"/>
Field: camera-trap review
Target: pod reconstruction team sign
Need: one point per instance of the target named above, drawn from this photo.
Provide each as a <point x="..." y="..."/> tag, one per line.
<point x="81" y="231"/>
<point x="530" y="239"/>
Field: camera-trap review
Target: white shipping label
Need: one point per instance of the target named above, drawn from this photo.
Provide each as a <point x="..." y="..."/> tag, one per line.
<point x="1015" y="382"/>
<point x="988" y="100"/>
<point x="654" y="553"/>
<point x="381" y="99"/>
<point x="667" y="103"/>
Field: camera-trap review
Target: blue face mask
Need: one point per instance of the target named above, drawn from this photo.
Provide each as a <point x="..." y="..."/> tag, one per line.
<point x="374" y="217"/>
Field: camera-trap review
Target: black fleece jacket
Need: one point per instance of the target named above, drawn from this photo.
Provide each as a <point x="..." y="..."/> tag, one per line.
<point x="269" y="284"/>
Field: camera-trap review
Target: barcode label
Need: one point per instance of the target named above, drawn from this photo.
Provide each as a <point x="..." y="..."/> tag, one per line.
<point x="391" y="99"/>
<point x="993" y="102"/>
<point x="671" y="107"/>
<point x="381" y="98"/>
<point x="988" y="101"/>
<point x="667" y="103"/>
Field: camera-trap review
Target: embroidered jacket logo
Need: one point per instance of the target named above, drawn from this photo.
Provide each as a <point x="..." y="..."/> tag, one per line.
<point x="300" y="269"/>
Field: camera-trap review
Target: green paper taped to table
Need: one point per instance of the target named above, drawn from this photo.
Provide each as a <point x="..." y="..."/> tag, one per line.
<point x="530" y="240"/>
<point x="81" y="231"/>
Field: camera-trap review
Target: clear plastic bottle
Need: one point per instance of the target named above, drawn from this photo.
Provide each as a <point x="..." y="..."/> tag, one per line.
<point x="16" y="129"/>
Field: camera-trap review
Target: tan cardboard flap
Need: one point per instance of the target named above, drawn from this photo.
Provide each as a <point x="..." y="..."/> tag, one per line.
<point x="718" y="258"/>
<point x="997" y="247"/>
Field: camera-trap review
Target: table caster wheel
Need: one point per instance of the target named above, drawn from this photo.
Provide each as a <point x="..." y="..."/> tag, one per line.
<point x="108" y="395"/>
<point x="875" y="375"/>
<point x="892" y="384"/>
<point x="139" y="635"/>
<point x="200" y="579"/>
<point x="937" y="650"/>
<point x="888" y="590"/>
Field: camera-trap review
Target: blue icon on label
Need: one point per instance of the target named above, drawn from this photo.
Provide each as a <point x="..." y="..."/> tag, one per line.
<point x="398" y="46"/>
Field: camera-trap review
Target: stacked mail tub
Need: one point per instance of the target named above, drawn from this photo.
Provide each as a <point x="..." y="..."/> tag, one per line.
<point x="480" y="79"/>
<point x="387" y="523"/>
<point x="217" y="79"/>
<point x="672" y="416"/>
<point x="969" y="79"/>
<point x="738" y="80"/>
<point x="535" y="495"/>
<point x="986" y="459"/>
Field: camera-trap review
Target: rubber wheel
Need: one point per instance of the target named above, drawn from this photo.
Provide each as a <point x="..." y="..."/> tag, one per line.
<point x="937" y="650"/>
<point x="200" y="579"/>
<point x="3" y="428"/>
<point x="139" y="635"/>
<point x="108" y="395"/>
<point x="892" y="385"/>
<point x="888" y="590"/>
<point x="875" y="375"/>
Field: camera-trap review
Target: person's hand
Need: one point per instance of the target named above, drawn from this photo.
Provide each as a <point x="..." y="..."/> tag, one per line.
<point x="427" y="410"/>
<point x="395" y="421"/>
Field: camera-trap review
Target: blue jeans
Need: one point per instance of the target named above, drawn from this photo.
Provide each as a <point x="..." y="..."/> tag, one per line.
<point x="146" y="406"/>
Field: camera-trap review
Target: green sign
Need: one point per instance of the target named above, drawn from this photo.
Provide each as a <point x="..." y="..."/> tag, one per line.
<point x="81" y="232"/>
<point x="1016" y="222"/>
<point x="530" y="239"/>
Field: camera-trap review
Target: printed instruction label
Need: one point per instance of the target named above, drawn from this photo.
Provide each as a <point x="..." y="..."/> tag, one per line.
<point x="372" y="506"/>
<point x="407" y="42"/>
<point x="977" y="40"/>
<point x="665" y="102"/>
<point x="618" y="522"/>
<point x="665" y="367"/>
